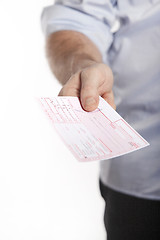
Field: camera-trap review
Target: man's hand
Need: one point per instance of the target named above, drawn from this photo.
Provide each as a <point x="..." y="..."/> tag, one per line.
<point x="78" y="65"/>
<point x="89" y="83"/>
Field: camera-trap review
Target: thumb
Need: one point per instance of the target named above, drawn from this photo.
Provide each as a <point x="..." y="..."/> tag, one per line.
<point x="89" y="90"/>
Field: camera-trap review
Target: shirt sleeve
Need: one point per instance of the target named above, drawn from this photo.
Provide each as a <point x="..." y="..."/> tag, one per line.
<point x="92" y="18"/>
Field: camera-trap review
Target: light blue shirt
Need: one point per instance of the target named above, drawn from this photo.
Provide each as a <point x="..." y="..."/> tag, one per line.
<point x="127" y="34"/>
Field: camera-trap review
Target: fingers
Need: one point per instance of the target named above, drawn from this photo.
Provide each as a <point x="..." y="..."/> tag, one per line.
<point x="68" y="91"/>
<point x="109" y="97"/>
<point x="72" y="87"/>
<point x="90" y="80"/>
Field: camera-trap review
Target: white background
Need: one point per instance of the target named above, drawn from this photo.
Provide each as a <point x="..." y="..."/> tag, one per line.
<point x="44" y="192"/>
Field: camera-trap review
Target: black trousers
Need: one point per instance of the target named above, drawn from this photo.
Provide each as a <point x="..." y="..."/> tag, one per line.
<point x="130" y="218"/>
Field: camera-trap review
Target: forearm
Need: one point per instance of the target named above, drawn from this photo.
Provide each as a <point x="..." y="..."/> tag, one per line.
<point x="68" y="52"/>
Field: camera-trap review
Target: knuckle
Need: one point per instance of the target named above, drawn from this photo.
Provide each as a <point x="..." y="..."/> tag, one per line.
<point x="64" y="91"/>
<point x="61" y="93"/>
<point x="73" y="77"/>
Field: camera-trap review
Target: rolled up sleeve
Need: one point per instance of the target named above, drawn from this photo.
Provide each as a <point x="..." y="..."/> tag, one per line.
<point x="92" y="18"/>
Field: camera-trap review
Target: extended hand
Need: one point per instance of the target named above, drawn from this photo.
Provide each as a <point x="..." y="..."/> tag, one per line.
<point x="90" y="83"/>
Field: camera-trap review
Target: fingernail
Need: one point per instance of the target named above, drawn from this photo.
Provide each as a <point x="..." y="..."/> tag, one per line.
<point x="90" y="101"/>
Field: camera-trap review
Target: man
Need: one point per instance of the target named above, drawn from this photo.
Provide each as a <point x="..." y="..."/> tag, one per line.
<point x="86" y="42"/>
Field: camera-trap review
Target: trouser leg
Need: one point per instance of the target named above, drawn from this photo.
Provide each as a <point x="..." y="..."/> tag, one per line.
<point x="130" y="218"/>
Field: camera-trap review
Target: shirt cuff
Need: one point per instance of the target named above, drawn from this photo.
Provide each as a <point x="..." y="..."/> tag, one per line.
<point x="59" y="17"/>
